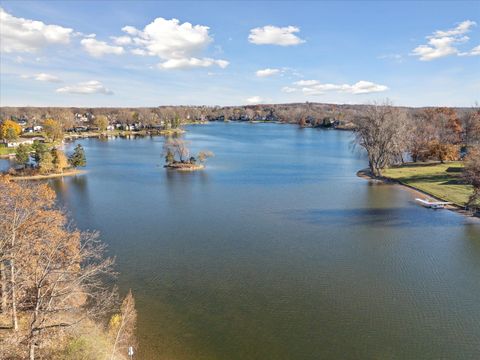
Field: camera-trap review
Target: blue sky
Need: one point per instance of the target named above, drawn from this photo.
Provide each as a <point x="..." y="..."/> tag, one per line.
<point x="132" y="53"/>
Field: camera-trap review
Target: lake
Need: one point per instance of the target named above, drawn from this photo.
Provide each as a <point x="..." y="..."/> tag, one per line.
<point x="277" y="250"/>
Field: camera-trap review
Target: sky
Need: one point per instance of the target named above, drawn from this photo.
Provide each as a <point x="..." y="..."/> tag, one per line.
<point x="151" y="53"/>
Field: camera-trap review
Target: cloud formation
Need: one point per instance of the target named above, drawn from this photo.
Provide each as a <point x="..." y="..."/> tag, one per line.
<point x="43" y="77"/>
<point x="85" y="88"/>
<point x="273" y="35"/>
<point x="97" y="48"/>
<point x="445" y="42"/>
<point x="314" y="87"/>
<point x="178" y="45"/>
<point x="29" y="36"/>
<point x="267" y="72"/>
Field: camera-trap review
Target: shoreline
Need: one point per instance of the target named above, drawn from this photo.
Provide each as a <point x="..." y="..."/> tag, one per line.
<point x="184" y="168"/>
<point x="365" y="174"/>
<point x="49" y="176"/>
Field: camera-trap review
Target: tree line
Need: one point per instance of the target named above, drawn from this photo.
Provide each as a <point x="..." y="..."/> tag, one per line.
<point x="304" y="114"/>
<point x="391" y="135"/>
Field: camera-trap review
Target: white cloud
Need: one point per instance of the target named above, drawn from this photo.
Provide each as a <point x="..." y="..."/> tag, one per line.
<point x="273" y="35"/>
<point x="185" y="63"/>
<point x="306" y="82"/>
<point x="179" y="45"/>
<point x="444" y="43"/>
<point x="98" y="48"/>
<point x="88" y="87"/>
<point x="474" y="52"/>
<point x="24" y="35"/>
<point x="254" y="100"/>
<point x="267" y="72"/>
<point x="43" y="77"/>
<point x="130" y="30"/>
<point x="314" y="87"/>
<point x="122" y="40"/>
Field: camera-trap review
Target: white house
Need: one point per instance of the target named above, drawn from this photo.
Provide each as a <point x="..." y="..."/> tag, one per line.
<point x="14" y="144"/>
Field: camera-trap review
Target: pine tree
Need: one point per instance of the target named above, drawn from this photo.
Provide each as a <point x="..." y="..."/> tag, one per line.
<point x="22" y="154"/>
<point x="78" y="158"/>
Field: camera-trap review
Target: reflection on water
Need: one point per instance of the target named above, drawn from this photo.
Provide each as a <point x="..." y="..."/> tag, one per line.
<point x="278" y="251"/>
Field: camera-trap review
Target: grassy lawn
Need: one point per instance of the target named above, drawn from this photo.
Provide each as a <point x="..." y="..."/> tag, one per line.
<point x="434" y="178"/>
<point x="6" y="150"/>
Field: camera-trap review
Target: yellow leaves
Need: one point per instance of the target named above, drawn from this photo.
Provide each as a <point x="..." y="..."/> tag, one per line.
<point x="53" y="129"/>
<point x="10" y="130"/>
<point x="60" y="160"/>
<point x="114" y="323"/>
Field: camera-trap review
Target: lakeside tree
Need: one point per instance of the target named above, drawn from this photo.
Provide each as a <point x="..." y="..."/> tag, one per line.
<point x="381" y="132"/>
<point x="78" y="158"/>
<point x="40" y="150"/>
<point x="53" y="277"/>
<point x="53" y="129"/>
<point x="122" y="327"/>
<point x="101" y="121"/>
<point x="471" y="127"/>
<point x="59" y="160"/>
<point x="471" y="175"/>
<point x="10" y="130"/>
<point x="46" y="165"/>
<point x="22" y="154"/>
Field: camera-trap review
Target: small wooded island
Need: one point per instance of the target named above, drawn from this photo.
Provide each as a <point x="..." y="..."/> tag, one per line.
<point x="177" y="156"/>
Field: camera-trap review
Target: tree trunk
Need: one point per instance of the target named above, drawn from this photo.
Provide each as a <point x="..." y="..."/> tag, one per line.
<point x="3" y="281"/>
<point x="32" y="350"/>
<point x="14" y="295"/>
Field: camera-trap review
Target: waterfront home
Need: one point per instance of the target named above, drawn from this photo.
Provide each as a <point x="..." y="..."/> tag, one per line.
<point x="15" y="143"/>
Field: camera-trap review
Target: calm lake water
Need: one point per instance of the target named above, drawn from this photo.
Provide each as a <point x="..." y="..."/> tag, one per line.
<point x="278" y="251"/>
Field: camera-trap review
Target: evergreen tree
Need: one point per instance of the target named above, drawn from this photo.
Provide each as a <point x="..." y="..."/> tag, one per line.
<point x="78" y="158"/>
<point x="40" y="150"/>
<point x="22" y="154"/>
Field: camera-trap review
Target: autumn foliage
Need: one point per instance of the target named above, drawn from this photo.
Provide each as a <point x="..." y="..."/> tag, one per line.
<point x="52" y="276"/>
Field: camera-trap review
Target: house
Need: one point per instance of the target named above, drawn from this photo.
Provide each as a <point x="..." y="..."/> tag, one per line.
<point x="80" y="128"/>
<point x="14" y="144"/>
<point x="34" y="128"/>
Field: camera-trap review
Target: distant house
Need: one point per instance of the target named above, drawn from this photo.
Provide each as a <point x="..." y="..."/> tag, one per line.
<point x="35" y="128"/>
<point x="80" y="128"/>
<point x="14" y="144"/>
<point x="110" y="127"/>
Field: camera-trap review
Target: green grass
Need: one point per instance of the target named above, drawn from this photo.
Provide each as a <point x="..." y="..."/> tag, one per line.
<point x="6" y="150"/>
<point x="434" y="179"/>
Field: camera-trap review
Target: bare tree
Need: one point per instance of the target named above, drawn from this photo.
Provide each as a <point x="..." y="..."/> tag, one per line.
<point x="380" y="131"/>
<point x="471" y="127"/>
<point x="177" y="147"/>
<point x="55" y="272"/>
<point x="472" y="176"/>
<point x="122" y="327"/>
